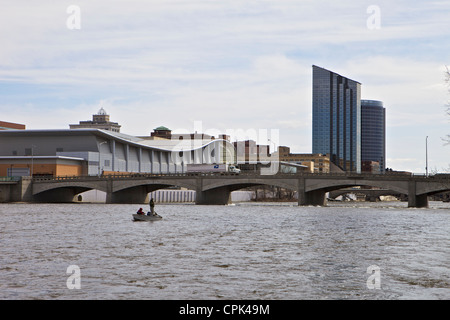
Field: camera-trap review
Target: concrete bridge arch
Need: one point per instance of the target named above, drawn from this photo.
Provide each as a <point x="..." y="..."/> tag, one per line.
<point x="236" y="184"/>
<point x="87" y="185"/>
<point x="117" y="191"/>
<point x="64" y="191"/>
<point x="432" y="188"/>
<point x="331" y="185"/>
<point x="218" y="190"/>
<point x="136" y="191"/>
<point x="154" y="184"/>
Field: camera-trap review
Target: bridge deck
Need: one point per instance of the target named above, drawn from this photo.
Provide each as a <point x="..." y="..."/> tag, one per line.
<point x="311" y="188"/>
<point x="387" y="176"/>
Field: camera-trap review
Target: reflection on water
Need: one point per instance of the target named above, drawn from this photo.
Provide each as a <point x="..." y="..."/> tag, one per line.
<point x="243" y="251"/>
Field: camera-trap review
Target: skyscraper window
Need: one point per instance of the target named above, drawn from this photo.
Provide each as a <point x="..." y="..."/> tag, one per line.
<point x="373" y="133"/>
<point x="337" y="118"/>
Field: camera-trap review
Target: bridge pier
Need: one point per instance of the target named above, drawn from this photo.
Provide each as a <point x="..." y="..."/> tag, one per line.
<point x="310" y="198"/>
<point x="62" y="195"/>
<point x="138" y="195"/>
<point x="372" y="198"/>
<point x="420" y="201"/>
<point x="5" y="192"/>
<point x="414" y="200"/>
<point x="218" y="196"/>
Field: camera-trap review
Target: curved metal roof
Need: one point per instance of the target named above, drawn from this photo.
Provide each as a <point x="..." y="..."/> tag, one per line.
<point x="162" y="145"/>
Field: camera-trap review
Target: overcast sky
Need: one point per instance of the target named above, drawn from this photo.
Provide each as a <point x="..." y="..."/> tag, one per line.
<point x="228" y="65"/>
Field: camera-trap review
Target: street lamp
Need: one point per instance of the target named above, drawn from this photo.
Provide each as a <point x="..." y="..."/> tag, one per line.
<point x="32" y="159"/>
<point x="274" y="145"/>
<point x="99" y="156"/>
<point x="426" y="156"/>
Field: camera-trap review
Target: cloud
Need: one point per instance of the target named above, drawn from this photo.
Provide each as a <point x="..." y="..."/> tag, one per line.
<point x="230" y="64"/>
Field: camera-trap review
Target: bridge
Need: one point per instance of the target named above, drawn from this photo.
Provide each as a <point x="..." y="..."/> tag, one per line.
<point x="215" y="189"/>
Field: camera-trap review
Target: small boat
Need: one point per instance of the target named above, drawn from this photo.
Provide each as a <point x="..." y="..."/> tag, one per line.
<point x="146" y="217"/>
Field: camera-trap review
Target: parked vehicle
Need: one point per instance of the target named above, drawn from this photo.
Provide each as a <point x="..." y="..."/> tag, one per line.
<point x="207" y="168"/>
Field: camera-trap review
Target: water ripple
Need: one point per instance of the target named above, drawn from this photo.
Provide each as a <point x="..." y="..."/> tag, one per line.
<point x="246" y="251"/>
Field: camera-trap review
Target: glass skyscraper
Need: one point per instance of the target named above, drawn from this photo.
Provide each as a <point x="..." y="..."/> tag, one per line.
<point x="373" y="133"/>
<point x="336" y="105"/>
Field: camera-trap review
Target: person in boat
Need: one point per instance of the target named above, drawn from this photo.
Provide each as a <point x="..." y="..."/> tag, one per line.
<point x="152" y="206"/>
<point x="140" y="211"/>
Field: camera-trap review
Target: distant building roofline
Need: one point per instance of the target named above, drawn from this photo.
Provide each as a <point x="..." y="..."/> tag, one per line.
<point x="5" y="125"/>
<point x="162" y="128"/>
<point x="314" y="66"/>
<point x="41" y="157"/>
<point x="372" y="103"/>
<point x="162" y="145"/>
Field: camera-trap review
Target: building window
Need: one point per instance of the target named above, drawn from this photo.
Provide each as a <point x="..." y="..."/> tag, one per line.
<point x="14" y="153"/>
<point x="107" y="163"/>
<point x="28" y="151"/>
<point x="59" y="149"/>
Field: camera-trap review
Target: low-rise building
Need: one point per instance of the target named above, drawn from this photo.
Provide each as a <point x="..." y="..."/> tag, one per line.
<point x="41" y="166"/>
<point x="99" y="121"/>
<point x="319" y="162"/>
<point x="164" y="133"/>
<point x="161" y="133"/>
<point x="97" y="151"/>
<point x="371" y="167"/>
<point x="4" y="125"/>
<point x="250" y="152"/>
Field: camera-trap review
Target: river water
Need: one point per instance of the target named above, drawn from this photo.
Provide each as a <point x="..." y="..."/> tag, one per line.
<point x="243" y="251"/>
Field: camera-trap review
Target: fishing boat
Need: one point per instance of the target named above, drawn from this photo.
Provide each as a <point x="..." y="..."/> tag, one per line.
<point x="146" y="217"/>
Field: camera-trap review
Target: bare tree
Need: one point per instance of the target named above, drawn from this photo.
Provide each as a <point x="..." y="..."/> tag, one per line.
<point x="447" y="81"/>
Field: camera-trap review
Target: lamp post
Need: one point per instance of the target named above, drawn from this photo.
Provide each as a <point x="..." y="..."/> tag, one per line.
<point x="32" y="159"/>
<point x="274" y="146"/>
<point x="426" y="156"/>
<point x="99" y="156"/>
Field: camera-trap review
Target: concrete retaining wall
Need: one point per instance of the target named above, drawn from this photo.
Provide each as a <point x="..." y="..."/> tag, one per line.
<point x="165" y="196"/>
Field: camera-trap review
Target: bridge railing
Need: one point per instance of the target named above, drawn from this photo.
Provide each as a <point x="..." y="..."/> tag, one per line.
<point x="129" y="176"/>
<point x="349" y="175"/>
<point x="9" y="179"/>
